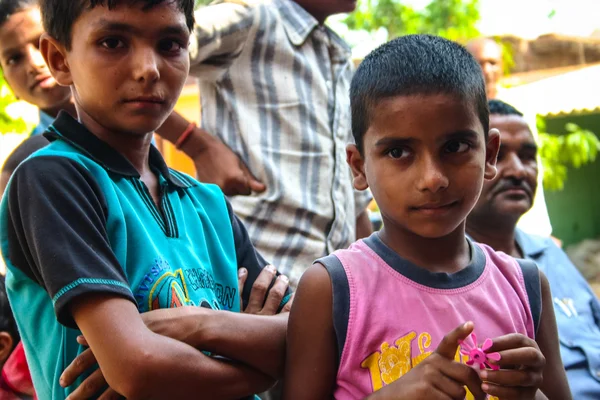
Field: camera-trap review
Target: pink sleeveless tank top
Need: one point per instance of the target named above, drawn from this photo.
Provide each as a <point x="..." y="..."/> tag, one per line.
<point x="389" y="314"/>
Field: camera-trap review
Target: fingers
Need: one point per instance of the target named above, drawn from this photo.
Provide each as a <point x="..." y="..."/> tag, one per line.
<point x="275" y="296"/>
<point x="80" y="364"/>
<point x="528" y="357"/>
<point x="253" y="184"/>
<point x="511" y="341"/>
<point x="506" y="392"/>
<point x="288" y="305"/>
<point x="242" y="276"/>
<point x="259" y="290"/>
<point x="450" y="387"/>
<point x="465" y="376"/>
<point x="449" y="344"/>
<point x="110" y="395"/>
<point x="512" y="377"/>
<point x="89" y="387"/>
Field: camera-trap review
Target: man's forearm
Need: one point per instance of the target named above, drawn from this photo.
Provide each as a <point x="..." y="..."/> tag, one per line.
<point x="175" y="125"/>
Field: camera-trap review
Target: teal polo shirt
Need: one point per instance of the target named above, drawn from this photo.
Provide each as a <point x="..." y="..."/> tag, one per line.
<point x="77" y="219"/>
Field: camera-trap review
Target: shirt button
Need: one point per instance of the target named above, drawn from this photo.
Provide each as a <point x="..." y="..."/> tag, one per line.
<point x="598" y="373"/>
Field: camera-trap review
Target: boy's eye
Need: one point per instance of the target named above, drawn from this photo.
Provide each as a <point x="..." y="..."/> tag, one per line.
<point x="457" y="147"/>
<point x="13" y="59"/>
<point x="112" y="43"/>
<point x="170" y="46"/>
<point x="396" y="153"/>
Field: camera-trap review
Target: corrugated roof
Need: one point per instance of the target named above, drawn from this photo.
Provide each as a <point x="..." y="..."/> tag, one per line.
<point x="570" y="92"/>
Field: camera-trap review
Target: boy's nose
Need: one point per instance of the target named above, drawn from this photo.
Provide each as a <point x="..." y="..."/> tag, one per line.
<point x="36" y="60"/>
<point x="146" y="66"/>
<point x="433" y="178"/>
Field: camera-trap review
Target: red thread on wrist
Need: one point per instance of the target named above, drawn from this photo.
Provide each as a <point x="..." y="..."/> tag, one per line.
<point x="185" y="135"/>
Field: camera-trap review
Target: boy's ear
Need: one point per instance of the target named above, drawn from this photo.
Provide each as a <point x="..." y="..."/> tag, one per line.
<point x="491" y="154"/>
<point x="357" y="165"/>
<point x="55" y="56"/>
<point x="6" y="345"/>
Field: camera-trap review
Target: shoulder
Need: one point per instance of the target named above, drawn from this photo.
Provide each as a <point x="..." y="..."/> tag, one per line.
<point x="315" y="286"/>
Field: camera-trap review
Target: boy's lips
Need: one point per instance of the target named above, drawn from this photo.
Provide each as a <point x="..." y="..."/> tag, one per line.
<point x="43" y="81"/>
<point x="146" y="99"/>
<point x="435" y="208"/>
<point x="146" y="102"/>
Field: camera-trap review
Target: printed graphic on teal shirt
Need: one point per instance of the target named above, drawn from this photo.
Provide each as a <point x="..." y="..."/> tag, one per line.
<point x="163" y="287"/>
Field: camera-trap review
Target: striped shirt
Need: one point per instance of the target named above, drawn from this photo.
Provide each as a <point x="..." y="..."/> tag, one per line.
<point x="275" y="88"/>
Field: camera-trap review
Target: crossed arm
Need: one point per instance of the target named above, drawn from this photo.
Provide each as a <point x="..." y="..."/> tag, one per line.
<point x="139" y="363"/>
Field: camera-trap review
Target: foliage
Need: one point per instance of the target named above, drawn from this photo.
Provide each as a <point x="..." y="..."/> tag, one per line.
<point x="7" y="123"/>
<point x="452" y="19"/>
<point x="576" y="148"/>
<point x="202" y="2"/>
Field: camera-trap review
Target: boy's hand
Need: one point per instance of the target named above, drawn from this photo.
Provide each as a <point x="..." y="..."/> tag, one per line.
<point x="438" y="377"/>
<point x="262" y="300"/>
<point x="522" y="365"/>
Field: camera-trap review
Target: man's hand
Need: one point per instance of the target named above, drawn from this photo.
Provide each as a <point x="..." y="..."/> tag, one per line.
<point x="438" y="377"/>
<point x="262" y="300"/>
<point x="522" y="365"/>
<point x="216" y="163"/>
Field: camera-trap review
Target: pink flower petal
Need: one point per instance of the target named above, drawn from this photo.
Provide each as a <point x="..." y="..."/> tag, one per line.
<point x="494" y="356"/>
<point x="487" y="344"/>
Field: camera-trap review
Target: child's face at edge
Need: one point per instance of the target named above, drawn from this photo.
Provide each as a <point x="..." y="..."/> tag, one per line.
<point x="425" y="159"/>
<point x="126" y="66"/>
<point x="23" y="65"/>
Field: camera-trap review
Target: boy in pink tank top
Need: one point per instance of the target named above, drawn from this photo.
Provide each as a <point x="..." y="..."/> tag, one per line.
<point x="417" y="310"/>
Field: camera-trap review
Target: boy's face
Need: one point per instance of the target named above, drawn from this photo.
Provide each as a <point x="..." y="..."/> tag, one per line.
<point x="126" y="66"/>
<point x="23" y="65"/>
<point x="425" y="159"/>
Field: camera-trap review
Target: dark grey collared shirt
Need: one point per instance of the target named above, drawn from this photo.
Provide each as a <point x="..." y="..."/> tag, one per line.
<point x="275" y="88"/>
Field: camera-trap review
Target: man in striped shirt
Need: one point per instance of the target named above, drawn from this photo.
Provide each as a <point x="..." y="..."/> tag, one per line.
<point x="274" y="83"/>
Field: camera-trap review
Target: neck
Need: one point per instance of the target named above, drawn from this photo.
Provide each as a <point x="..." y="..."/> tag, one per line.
<point x="135" y="148"/>
<point x="68" y="106"/>
<point x="451" y="251"/>
<point x="499" y="235"/>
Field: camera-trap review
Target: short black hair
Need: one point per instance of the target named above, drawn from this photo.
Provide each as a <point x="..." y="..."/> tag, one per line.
<point x="59" y="16"/>
<point x="10" y="7"/>
<point x="498" y="107"/>
<point x="7" y="319"/>
<point x="413" y="65"/>
<point x="24" y="150"/>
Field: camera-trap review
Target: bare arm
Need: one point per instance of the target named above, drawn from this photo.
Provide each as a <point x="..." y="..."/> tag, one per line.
<point x="140" y="364"/>
<point x="255" y="340"/>
<point x="311" y="344"/>
<point x="214" y="161"/>
<point x="555" y="384"/>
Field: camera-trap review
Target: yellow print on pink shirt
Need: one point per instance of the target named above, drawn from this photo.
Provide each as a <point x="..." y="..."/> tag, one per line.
<point x="392" y="362"/>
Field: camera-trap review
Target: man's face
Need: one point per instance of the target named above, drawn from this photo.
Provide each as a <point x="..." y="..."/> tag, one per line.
<point x="321" y="9"/>
<point x="511" y="193"/>
<point x="489" y="56"/>
<point x="126" y="66"/>
<point x="425" y="160"/>
<point x="23" y="65"/>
